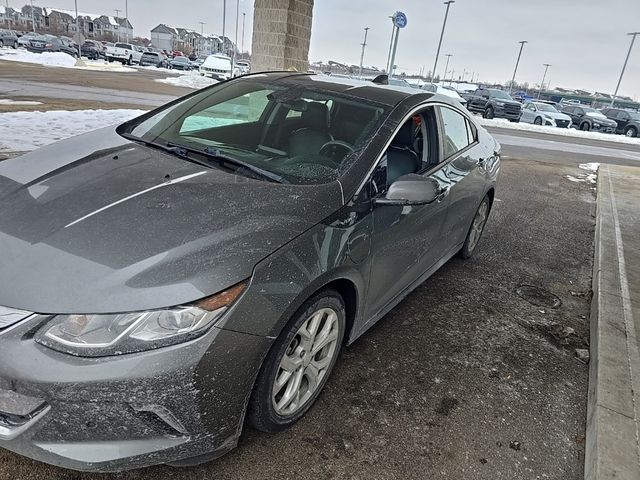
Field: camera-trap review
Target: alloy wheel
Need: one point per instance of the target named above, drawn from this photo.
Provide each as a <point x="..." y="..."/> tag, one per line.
<point x="631" y="132"/>
<point x="306" y="362"/>
<point x="477" y="227"/>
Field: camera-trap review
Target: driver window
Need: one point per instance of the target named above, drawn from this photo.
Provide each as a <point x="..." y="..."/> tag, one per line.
<point x="411" y="150"/>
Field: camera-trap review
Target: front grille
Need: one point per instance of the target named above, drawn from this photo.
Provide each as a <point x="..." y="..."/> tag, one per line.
<point x="510" y="108"/>
<point x="562" y="123"/>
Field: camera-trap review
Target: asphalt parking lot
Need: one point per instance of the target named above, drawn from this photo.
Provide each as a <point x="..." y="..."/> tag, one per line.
<point x="464" y="379"/>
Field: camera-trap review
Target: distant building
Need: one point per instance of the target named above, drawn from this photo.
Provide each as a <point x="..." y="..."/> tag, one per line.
<point x="58" y="21"/>
<point x="189" y="41"/>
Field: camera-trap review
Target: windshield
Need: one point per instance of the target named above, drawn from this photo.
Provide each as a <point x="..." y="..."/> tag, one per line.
<point x="545" y="107"/>
<point x="299" y="134"/>
<point x="500" y="94"/>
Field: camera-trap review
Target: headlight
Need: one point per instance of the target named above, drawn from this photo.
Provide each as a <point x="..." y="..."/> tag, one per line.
<point x="499" y="103"/>
<point x="597" y="125"/>
<point x="116" y="334"/>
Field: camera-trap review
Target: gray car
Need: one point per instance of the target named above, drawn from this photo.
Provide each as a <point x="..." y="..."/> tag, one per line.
<point x="203" y="265"/>
<point x="541" y="113"/>
<point x="8" y="38"/>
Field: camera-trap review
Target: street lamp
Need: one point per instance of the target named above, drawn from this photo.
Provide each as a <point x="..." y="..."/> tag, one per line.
<point x="117" y="15"/>
<point x="446" y="68"/>
<point x="546" y="67"/>
<point x="364" y="45"/>
<point x="235" y="47"/>
<point x="33" y="22"/>
<point x="624" y="67"/>
<point x="224" y="25"/>
<point x="444" y="24"/>
<point x="244" y="17"/>
<point x="517" y="63"/>
<point x="78" y="32"/>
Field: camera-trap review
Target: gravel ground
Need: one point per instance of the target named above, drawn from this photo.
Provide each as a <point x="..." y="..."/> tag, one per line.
<point x="463" y="380"/>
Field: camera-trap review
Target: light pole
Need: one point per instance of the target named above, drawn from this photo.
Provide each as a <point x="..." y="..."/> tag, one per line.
<point x="224" y="26"/>
<point x="33" y="22"/>
<point x="117" y="15"/>
<point x="444" y="24"/>
<point x="364" y="45"/>
<point x="78" y="32"/>
<point x="235" y="47"/>
<point x="446" y="68"/>
<point x="126" y="17"/>
<point x="513" y="79"/>
<point x="393" y="34"/>
<point x="624" y="67"/>
<point x="546" y="67"/>
<point x="201" y="43"/>
<point x="244" y="17"/>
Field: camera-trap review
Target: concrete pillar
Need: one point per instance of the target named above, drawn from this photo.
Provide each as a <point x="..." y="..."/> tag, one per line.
<point x="281" y="35"/>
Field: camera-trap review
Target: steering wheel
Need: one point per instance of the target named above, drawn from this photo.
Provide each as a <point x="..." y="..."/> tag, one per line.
<point x="331" y="148"/>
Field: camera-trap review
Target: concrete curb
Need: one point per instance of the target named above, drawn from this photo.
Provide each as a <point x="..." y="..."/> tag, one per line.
<point x="612" y="444"/>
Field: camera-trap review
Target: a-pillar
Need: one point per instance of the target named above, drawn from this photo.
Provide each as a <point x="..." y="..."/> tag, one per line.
<point x="281" y="35"/>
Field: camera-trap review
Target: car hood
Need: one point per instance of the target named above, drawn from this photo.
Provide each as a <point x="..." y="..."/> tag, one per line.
<point x="557" y="115"/>
<point x="600" y="118"/>
<point x="97" y="224"/>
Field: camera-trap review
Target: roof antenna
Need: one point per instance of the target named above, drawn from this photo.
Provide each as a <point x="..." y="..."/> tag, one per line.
<point x="381" y="79"/>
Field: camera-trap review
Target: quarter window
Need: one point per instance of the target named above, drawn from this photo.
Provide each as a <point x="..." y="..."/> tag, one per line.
<point x="456" y="135"/>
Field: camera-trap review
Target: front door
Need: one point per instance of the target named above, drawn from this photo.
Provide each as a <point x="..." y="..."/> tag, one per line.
<point x="406" y="240"/>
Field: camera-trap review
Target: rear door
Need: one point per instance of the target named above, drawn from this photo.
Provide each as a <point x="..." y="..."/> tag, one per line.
<point x="622" y="119"/>
<point x="464" y="171"/>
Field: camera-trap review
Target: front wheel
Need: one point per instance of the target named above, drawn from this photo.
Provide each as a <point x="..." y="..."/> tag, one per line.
<point x="538" y="121"/>
<point x="585" y="127"/>
<point x="631" y="132"/>
<point x="298" y="364"/>
<point x="476" y="229"/>
<point x="488" y="113"/>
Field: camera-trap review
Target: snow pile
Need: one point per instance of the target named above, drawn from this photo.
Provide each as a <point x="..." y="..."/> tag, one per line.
<point x="8" y="101"/>
<point x="103" y="66"/>
<point x="49" y="59"/>
<point x="564" y="132"/>
<point x="194" y="80"/>
<point x="590" y="177"/>
<point x="25" y="131"/>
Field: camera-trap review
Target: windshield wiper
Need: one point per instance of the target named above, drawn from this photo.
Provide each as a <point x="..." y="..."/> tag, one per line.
<point x="220" y="157"/>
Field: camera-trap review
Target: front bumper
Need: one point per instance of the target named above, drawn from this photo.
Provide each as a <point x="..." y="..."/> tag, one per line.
<point x="118" y="413"/>
<point x="502" y="112"/>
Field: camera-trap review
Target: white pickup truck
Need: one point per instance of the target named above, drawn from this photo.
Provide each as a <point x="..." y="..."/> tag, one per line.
<point x="125" y="53"/>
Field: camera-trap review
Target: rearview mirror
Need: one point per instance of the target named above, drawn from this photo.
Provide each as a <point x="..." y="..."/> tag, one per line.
<point x="411" y="189"/>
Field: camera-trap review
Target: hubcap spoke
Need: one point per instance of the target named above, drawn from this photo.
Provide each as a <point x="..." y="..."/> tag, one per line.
<point x="305" y="362"/>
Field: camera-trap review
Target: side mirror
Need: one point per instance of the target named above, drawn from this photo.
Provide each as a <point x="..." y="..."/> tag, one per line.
<point x="411" y="189"/>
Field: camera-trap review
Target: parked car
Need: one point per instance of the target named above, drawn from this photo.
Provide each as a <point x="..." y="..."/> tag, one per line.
<point x="8" y="38"/>
<point x="587" y="118"/>
<point x="155" y="59"/>
<point x="197" y="63"/>
<point x="627" y="121"/>
<point x="180" y="63"/>
<point x="23" y="40"/>
<point x="51" y="43"/>
<point x="93" y="50"/>
<point x="124" y="52"/>
<point x="177" y="53"/>
<point x="449" y="92"/>
<point x="540" y="113"/>
<point x="494" y="103"/>
<point x="217" y="66"/>
<point x="250" y="230"/>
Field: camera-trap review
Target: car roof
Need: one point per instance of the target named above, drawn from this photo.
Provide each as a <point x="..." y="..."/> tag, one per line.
<point x="363" y="89"/>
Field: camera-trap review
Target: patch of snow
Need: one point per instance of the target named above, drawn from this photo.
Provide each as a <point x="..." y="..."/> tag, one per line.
<point x="591" y="167"/>
<point x="103" y="66"/>
<point x="49" y="59"/>
<point x="588" y="178"/>
<point x="564" y="132"/>
<point x="8" y="101"/>
<point x="25" y="131"/>
<point x="194" y="80"/>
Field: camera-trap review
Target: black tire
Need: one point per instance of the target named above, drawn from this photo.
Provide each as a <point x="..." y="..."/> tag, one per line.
<point x="631" y="132"/>
<point x="130" y="61"/>
<point x="538" y="121"/>
<point x="261" y="413"/>
<point x="15" y="45"/>
<point x="585" y="127"/>
<point x="1" y="44"/>
<point x="471" y="242"/>
<point x="489" y="113"/>
<point x="514" y="120"/>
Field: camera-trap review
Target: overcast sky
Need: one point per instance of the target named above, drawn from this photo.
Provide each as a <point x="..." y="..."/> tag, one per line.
<point x="584" y="40"/>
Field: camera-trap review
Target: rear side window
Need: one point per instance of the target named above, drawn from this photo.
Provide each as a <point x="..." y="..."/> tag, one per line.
<point x="456" y="134"/>
<point x="124" y="45"/>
